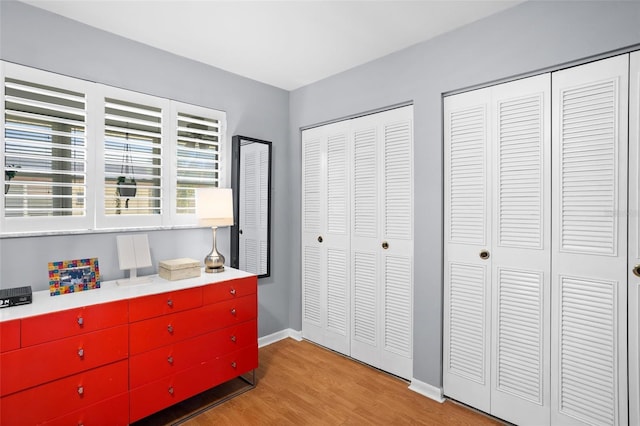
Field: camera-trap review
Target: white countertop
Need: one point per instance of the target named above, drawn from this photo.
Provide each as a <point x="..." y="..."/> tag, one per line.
<point x="110" y="291"/>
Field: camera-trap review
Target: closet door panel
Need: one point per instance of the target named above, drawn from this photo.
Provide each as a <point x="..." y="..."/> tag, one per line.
<point x="325" y="239"/>
<point x="396" y="242"/>
<point x="589" y="312"/>
<point x="521" y="255"/>
<point x="467" y="275"/>
<point x="382" y="238"/>
<point x="634" y="240"/>
<point x="365" y="244"/>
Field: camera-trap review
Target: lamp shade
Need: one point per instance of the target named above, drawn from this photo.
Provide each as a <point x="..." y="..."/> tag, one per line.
<point x="214" y="206"/>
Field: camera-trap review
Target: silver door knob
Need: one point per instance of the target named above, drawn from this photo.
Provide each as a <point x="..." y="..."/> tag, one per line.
<point x="484" y="254"/>
<point x="636" y="270"/>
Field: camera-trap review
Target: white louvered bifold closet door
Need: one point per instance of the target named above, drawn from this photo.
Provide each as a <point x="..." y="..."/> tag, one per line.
<point x="521" y="274"/>
<point x="589" y="282"/>
<point x="497" y="249"/>
<point x="382" y="241"/>
<point x="325" y="236"/>
<point x="634" y="240"/>
<point x="467" y="277"/>
<point x="253" y="220"/>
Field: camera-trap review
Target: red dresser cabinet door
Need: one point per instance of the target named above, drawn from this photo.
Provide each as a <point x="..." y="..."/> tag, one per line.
<point x="112" y="412"/>
<point x="64" y="396"/>
<point x="156" y="305"/>
<point x="231" y="289"/>
<point x="9" y="335"/>
<point x="33" y="365"/>
<point x="58" y="325"/>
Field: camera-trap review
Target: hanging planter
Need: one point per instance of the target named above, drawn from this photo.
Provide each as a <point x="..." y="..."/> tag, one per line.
<point x="126" y="181"/>
<point x="8" y="175"/>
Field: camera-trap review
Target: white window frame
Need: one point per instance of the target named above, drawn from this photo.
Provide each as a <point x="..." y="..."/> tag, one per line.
<point x="176" y="108"/>
<point x="95" y="218"/>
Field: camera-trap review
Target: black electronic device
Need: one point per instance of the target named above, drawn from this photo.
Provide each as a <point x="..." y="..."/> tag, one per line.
<point x="15" y="296"/>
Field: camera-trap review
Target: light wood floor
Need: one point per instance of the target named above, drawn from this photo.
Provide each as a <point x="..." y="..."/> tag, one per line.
<point x="300" y="383"/>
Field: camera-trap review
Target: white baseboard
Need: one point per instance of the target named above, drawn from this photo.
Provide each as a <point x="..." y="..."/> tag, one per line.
<point x="279" y="335"/>
<point x="427" y="390"/>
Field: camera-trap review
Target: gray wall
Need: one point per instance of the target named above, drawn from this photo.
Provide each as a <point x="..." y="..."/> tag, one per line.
<point x="253" y="109"/>
<point x="529" y="37"/>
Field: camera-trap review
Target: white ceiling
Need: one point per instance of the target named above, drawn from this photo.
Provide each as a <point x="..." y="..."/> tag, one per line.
<point x="287" y="44"/>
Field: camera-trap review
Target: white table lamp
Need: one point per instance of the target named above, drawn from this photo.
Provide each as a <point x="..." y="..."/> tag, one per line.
<point x="214" y="208"/>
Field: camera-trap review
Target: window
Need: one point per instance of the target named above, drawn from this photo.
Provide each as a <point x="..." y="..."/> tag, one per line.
<point x="81" y="156"/>
<point x="197" y="152"/>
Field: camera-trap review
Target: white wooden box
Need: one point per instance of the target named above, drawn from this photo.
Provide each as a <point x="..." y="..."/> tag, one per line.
<point x="178" y="269"/>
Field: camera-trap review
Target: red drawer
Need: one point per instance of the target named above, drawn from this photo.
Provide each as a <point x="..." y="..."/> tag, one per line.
<point x="163" y="393"/>
<point x="232" y="312"/>
<point x="34" y="365"/>
<point x="45" y="328"/>
<point x="237" y="363"/>
<point x="64" y="396"/>
<point x="158" y="363"/>
<point x="9" y="335"/>
<point x="233" y="338"/>
<point x="165" y="303"/>
<point x="112" y="412"/>
<point x="230" y="290"/>
<point x="166" y="330"/>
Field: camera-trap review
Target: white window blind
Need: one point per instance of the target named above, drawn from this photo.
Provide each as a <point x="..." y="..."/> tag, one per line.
<point x="198" y="133"/>
<point x="132" y="158"/>
<point x="79" y="156"/>
<point x="44" y="150"/>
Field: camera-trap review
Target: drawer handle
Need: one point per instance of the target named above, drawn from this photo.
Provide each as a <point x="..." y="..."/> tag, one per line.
<point x="80" y="390"/>
<point x="170" y="303"/>
<point x="233" y="338"/>
<point x="80" y="321"/>
<point x="170" y="359"/>
<point x="232" y="291"/>
<point x="81" y="352"/>
<point x="170" y="329"/>
<point x="233" y="364"/>
<point x="170" y="390"/>
<point x="233" y="311"/>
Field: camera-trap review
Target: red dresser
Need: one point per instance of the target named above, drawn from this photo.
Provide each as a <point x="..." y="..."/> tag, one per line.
<point x="139" y="351"/>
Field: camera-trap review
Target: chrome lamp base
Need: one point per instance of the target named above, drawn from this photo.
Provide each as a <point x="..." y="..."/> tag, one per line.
<point x="214" y="261"/>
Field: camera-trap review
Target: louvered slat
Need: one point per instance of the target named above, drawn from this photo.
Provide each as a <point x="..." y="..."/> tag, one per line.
<point x="337" y="184"/>
<point x="519" y="340"/>
<point x="398" y="200"/>
<point x="137" y="128"/>
<point x="397" y="305"/>
<point x="467" y="326"/>
<point x="520" y="172"/>
<point x="250" y="196"/>
<point x="337" y="290"/>
<point x="467" y="208"/>
<point x="365" y="202"/>
<point x="197" y="155"/>
<point x="364" y="305"/>
<point x="588" y="341"/>
<point x="312" y="186"/>
<point x="588" y="168"/>
<point x="312" y="290"/>
<point x="45" y="146"/>
<point x="251" y="254"/>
